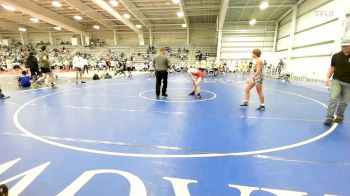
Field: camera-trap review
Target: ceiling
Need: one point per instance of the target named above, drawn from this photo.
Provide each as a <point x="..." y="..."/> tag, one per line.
<point x="242" y="11"/>
<point x="151" y="14"/>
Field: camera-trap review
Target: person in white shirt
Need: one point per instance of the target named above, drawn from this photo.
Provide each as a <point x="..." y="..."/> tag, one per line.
<point x="151" y="70"/>
<point x="85" y="64"/>
<point x="66" y="64"/>
<point x="78" y="66"/>
<point x="182" y="65"/>
<point x="129" y="66"/>
<point x="101" y="64"/>
<point x="93" y="64"/>
<point x="113" y="64"/>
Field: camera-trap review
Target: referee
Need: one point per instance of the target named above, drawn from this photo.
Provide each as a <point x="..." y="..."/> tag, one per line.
<point x="161" y="63"/>
<point x="340" y="85"/>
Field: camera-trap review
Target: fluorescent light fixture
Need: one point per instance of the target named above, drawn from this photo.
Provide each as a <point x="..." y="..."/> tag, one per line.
<point x="56" y="4"/>
<point x="264" y="5"/>
<point x="176" y="1"/>
<point x="138" y="26"/>
<point x="34" y="19"/>
<point x="22" y="29"/>
<point x="57" y="28"/>
<point x="180" y="14"/>
<point x="184" y="25"/>
<point x="127" y="16"/>
<point x="96" y="27"/>
<point x="9" y="8"/>
<point x="78" y="18"/>
<point x="252" y="22"/>
<point x="114" y="3"/>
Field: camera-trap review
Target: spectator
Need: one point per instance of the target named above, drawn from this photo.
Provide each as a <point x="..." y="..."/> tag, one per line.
<point x="85" y="64"/>
<point x="78" y="66"/>
<point x="2" y="96"/>
<point x="129" y="66"/>
<point x="24" y="80"/>
<point x="66" y="64"/>
<point x="113" y="63"/>
<point x="280" y="67"/>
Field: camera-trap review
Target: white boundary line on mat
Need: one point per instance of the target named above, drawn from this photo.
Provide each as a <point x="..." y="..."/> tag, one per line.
<point x="140" y="155"/>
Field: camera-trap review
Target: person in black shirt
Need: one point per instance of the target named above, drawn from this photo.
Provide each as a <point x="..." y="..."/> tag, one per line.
<point x="32" y="64"/>
<point x="340" y="85"/>
<point x="250" y="66"/>
<point x="2" y="96"/>
<point x="280" y="67"/>
<point x="4" y="190"/>
<point x="120" y="68"/>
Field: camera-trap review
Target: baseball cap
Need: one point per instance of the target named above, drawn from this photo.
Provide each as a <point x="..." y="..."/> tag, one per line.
<point x="345" y="41"/>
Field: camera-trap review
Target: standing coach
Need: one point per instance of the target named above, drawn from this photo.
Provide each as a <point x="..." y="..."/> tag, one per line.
<point x="340" y="85"/>
<point x="161" y="63"/>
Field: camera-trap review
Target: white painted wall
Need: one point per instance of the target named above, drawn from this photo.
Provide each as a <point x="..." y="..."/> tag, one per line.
<point x="239" y="40"/>
<point x="163" y="36"/>
<point x="283" y="34"/>
<point x="317" y="33"/>
<point x="105" y="35"/>
<point x="203" y="34"/>
<point x="167" y="38"/>
<point x="37" y="37"/>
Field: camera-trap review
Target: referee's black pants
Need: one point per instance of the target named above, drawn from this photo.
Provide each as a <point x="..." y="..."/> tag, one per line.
<point x="161" y="75"/>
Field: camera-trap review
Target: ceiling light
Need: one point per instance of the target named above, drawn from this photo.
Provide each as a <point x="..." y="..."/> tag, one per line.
<point x="78" y="18"/>
<point x="138" y="26"/>
<point x="34" y="19"/>
<point x="58" y="28"/>
<point x="184" y="25"/>
<point x="127" y="16"/>
<point x="56" y="4"/>
<point x="96" y="27"/>
<point x="264" y="5"/>
<point x="114" y="3"/>
<point x="176" y="1"/>
<point x="252" y="22"/>
<point x="22" y="29"/>
<point x="180" y="14"/>
<point x="9" y="8"/>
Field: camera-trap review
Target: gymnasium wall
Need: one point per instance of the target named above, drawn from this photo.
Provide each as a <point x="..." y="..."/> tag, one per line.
<point x="166" y="36"/>
<point x="11" y="37"/>
<point x="238" y="40"/>
<point x="37" y="37"/>
<point x="316" y="38"/>
<point x="203" y="34"/>
<point x="200" y="34"/>
<point x="283" y="33"/>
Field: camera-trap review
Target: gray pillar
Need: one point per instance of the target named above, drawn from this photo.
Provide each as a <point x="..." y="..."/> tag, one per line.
<point x="218" y="51"/>
<point x="24" y="38"/>
<point x="52" y="38"/>
<point x="115" y="37"/>
<point x="188" y="36"/>
<point x="275" y="38"/>
<point x="292" y="34"/>
<point x="150" y="37"/>
<point x="82" y="40"/>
